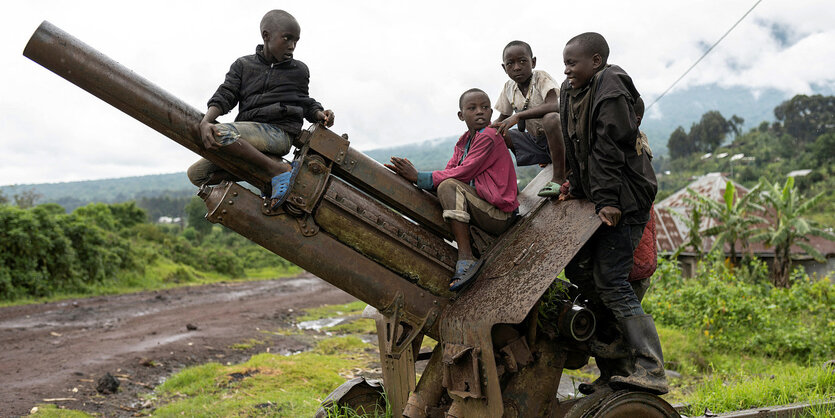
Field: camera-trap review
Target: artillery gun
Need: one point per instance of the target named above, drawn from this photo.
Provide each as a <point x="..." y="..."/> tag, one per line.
<point x="362" y="228"/>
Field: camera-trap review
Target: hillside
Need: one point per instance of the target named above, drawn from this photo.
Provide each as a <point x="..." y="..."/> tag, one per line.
<point x="685" y="107"/>
<point x="157" y="193"/>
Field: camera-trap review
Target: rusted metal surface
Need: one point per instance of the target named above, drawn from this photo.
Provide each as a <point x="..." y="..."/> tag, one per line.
<point x="371" y="177"/>
<point x="526" y="261"/>
<point x="671" y="231"/>
<point x="531" y="391"/>
<point x="398" y="371"/>
<point x="240" y="210"/>
<point x="361" y="395"/>
<point x="108" y="80"/>
<point x="386" y="237"/>
<point x="606" y="403"/>
<point x="429" y="389"/>
<point x="518" y="270"/>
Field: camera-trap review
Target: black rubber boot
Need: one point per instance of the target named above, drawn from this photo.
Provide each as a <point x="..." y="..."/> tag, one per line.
<point x="648" y="373"/>
<point x="603" y="380"/>
<point x="608" y="369"/>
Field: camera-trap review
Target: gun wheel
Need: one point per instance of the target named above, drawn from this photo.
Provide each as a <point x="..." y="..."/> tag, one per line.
<point x="622" y="403"/>
<point x="365" y="397"/>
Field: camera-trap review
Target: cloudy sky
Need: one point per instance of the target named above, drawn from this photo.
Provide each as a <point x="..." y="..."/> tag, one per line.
<point x="392" y="71"/>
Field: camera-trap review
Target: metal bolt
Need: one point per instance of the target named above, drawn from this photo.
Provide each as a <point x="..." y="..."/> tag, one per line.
<point x="223" y="211"/>
<point x="234" y="194"/>
<point x="230" y="202"/>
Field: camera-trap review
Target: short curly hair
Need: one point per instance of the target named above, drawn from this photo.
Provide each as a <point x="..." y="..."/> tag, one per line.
<point x="464" y="94"/>
<point x="592" y="43"/>
<point x="523" y="44"/>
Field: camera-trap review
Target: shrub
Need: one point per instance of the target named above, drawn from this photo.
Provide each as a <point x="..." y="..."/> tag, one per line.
<point x="739" y="310"/>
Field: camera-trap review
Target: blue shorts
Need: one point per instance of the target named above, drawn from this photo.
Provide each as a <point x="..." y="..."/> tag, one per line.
<point x="529" y="149"/>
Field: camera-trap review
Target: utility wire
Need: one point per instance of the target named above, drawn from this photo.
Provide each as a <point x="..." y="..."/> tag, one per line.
<point x="705" y="54"/>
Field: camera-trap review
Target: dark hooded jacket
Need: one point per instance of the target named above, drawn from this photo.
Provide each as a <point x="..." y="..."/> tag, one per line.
<point x="274" y="93"/>
<point x="605" y="168"/>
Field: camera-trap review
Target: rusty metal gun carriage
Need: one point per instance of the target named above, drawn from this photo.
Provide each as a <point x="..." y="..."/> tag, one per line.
<point x="369" y="232"/>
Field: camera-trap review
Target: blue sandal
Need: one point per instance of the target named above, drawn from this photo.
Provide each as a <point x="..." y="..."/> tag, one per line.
<point x="465" y="271"/>
<point x="281" y="185"/>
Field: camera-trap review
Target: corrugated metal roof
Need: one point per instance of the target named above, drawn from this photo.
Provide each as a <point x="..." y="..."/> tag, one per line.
<point x="671" y="230"/>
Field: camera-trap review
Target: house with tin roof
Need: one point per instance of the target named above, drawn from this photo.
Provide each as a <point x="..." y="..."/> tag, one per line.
<point x="672" y="231"/>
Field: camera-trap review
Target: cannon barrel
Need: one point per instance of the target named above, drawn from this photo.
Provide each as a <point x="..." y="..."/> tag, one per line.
<point x="110" y="81"/>
<point x="117" y="85"/>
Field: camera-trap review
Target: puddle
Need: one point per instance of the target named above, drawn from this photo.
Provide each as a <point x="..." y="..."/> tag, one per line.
<point x="318" y="324"/>
<point x="369" y="339"/>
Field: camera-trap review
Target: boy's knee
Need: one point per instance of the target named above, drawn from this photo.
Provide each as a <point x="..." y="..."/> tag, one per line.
<point x="447" y="186"/>
<point x="197" y="174"/>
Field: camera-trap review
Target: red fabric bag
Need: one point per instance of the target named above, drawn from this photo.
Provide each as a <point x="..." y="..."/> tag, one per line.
<point x="646" y="255"/>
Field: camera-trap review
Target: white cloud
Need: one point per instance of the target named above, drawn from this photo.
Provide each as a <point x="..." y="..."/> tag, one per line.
<point x="392" y="71"/>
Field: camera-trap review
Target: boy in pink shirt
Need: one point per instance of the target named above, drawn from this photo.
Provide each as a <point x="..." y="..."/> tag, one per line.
<point x="477" y="186"/>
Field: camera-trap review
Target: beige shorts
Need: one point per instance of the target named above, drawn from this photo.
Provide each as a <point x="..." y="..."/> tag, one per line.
<point x="461" y="203"/>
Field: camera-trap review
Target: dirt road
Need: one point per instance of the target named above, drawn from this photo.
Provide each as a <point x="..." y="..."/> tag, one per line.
<point x="59" y="350"/>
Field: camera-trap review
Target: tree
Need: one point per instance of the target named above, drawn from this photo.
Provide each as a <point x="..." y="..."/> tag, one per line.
<point x="27" y="198"/>
<point x="196" y="216"/>
<point x="711" y="130"/>
<point x="789" y="227"/>
<point x="3" y="199"/>
<point x="704" y="136"/>
<point x="679" y="144"/>
<point x="736" y="222"/>
<point x="824" y="148"/>
<point x="807" y="117"/>
<point x="693" y="222"/>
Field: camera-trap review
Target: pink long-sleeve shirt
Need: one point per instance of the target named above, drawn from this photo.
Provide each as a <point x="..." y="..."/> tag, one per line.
<point x="487" y="164"/>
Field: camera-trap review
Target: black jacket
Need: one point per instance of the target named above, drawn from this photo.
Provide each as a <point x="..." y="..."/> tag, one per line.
<point x="610" y="172"/>
<point x="270" y="93"/>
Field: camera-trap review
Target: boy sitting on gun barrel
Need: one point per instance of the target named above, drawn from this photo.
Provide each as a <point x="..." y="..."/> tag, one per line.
<point x="270" y="89"/>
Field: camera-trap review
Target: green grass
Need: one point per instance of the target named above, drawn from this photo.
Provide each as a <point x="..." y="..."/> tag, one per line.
<point x="252" y="342"/>
<point x="730" y="381"/>
<point x="357" y="326"/>
<point x="51" y="410"/>
<point x="295" y="385"/>
<point x="328" y="311"/>
<point x="267" y="384"/>
<point x="161" y="274"/>
<point x="793" y="383"/>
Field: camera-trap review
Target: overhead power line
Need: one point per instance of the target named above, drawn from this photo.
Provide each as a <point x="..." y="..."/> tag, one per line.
<point x="705" y="54"/>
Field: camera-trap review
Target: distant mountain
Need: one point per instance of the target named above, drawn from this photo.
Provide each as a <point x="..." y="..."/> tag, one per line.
<point x="427" y="155"/>
<point x="680" y="108"/>
<point x="685" y="107"/>
<point x="73" y="194"/>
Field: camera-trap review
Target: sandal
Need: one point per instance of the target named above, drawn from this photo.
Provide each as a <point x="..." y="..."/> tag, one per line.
<point x="551" y="189"/>
<point x="465" y="271"/>
<point x="281" y="185"/>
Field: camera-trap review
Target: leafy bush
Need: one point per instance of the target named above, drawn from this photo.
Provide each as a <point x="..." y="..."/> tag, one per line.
<point x="44" y="251"/>
<point x="739" y="310"/>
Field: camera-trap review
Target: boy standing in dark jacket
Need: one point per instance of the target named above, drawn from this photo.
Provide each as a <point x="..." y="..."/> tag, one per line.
<point x="270" y="89"/>
<point x="600" y="130"/>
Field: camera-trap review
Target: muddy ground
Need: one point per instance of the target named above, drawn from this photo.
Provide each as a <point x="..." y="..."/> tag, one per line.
<point x="56" y="352"/>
